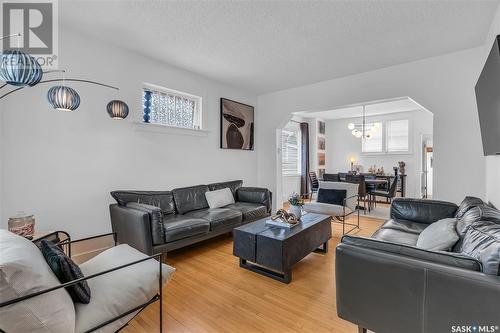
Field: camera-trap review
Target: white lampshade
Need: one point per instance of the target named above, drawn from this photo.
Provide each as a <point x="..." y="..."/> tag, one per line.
<point x="358" y="134"/>
<point x="351" y="126"/>
<point x="354" y="132"/>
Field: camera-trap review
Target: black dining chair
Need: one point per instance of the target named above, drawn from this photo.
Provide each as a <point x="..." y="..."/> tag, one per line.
<point x="342" y="176"/>
<point x="331" y="177"/>
<point x="314" y="183"/>
<point x="389" y="194"/>
<point x="362" y="193"/>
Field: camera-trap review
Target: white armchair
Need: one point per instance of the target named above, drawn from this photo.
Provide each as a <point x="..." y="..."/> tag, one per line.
<point x="339" y="212"/>
<point x="123" y="281"/>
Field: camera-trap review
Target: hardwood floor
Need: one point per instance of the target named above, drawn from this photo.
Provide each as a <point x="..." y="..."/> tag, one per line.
<point x="210" y="293"/>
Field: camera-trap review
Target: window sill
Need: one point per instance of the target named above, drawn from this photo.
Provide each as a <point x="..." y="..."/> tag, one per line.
<point x="157" y="128"/>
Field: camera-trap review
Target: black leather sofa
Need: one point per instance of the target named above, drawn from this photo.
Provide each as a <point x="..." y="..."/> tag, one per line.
<point x="387" y="285"/>
<point x="161" y="221"/>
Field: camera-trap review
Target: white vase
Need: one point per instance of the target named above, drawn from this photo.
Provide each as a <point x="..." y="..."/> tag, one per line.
<point x="295" y="210"/>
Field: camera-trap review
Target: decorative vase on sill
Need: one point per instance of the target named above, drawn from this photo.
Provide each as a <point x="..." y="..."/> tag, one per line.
<point x="296" y="202"/>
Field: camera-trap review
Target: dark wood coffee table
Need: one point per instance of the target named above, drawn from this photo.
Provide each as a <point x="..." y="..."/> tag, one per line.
<point x="272" y="251"/>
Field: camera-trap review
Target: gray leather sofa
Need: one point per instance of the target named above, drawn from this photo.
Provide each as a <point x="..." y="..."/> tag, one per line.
<point x="387" y="285"/>
<point x="161" y="221"/>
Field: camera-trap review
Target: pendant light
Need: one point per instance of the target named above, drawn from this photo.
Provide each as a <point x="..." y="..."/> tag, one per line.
<point x="63" y="98"/>
<point x="18" y="68"/>
<point x="117" y="109"/>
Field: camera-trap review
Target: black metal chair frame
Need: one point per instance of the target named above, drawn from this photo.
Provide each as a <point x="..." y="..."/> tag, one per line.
<point x="342" y="219"/>
<point x="66" y="243"/>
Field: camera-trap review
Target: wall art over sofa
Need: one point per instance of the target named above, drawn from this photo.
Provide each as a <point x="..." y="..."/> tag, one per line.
<point x="237" y="125"/>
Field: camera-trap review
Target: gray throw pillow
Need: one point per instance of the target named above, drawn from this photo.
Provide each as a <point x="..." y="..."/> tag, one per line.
<point x="438" y="236"/>
<point x="482" y="241"/>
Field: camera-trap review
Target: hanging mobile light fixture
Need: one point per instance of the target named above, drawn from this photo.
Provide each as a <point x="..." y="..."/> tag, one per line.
<point x="364" y="130"/>
<point x="18" y="68"/>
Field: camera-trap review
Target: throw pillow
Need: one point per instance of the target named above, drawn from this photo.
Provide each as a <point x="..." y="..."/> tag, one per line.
<point x="477" y="213"/>
<point x="66" y="270"/>
<point x="467" y="204"/>
<point x="219" y="198"/>
<point x="331" y="196"/>
<point x="438" y="236"/>
<point x="482" y="241"/>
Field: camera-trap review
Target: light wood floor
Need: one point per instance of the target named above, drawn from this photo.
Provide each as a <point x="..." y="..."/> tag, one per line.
<point x="210" y="293"/>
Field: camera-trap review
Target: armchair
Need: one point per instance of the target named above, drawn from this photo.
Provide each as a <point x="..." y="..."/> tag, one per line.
<point x="123" y="282"/>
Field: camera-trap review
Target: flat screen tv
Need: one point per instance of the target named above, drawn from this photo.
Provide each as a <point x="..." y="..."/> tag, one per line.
<point x="488" y="101"/>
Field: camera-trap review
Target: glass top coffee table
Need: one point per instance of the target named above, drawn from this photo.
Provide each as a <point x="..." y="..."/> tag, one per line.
<point x="272" y="251"/>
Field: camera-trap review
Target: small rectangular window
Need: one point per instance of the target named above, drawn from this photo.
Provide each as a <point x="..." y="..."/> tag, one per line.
<point x="171" y="108"/>
<point x="398" y="136"/>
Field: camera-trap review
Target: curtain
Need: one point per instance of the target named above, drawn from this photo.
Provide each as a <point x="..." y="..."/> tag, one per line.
<point x="304" y="159"/>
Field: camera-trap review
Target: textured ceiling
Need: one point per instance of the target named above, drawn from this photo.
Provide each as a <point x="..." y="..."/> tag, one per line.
<point x="272" y="45"/>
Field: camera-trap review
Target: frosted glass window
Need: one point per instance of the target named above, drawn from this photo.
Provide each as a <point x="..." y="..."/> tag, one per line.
<point x="172" y="108"/>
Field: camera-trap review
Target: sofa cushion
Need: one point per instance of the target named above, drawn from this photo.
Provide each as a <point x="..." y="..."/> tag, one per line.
<point x="233" y="185"/>
<point x="118" y="291"/>
<point x="66" y="271"/>
<point x="396" y="236"/>
<point x="190" y="198"/>
<point x="421" y="211"/>
<point x="219" y="198"/>
<point x="23" y="271"/>
<point x="180" y="226"/>
<point x="439" y="236"/>
<point x="250" y="211"/>
<point x="477" y="213"/>
<point x="482" y="241"/>
<point x="404" y="225"/>
<point x="155" y="219"/>
<point x="467" y="204"/>
<point x="162" y="199"/>
<point x="439" y="257"/>
<point x="325" y="208"/>
<point x="219" y="217"/>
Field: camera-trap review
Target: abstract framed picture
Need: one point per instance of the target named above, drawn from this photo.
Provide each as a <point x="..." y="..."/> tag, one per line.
<point x="236" y="125"/>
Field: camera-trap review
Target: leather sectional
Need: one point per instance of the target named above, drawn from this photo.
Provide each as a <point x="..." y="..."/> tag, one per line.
<point x="162" y="221"/>
<point x="386" y="284"/>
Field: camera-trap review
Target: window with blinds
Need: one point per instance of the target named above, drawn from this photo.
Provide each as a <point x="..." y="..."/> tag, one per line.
<point x="398" y="136"/>
<point x="290" y="150"/>
<point x="171" y="108"/>
<point x="375" y="144"/>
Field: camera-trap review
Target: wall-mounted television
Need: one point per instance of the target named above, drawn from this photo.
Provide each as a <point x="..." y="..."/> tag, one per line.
<point x="488" y="101"/>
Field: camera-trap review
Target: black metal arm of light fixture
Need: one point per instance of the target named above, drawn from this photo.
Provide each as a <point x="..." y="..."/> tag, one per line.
<point x="57" y="80"/>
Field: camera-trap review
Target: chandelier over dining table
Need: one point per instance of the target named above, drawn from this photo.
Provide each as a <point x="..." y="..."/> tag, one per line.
<point x="363" y="130"/>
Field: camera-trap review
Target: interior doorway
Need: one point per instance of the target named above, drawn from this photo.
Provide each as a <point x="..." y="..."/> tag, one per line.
<point x="427" y="167"/>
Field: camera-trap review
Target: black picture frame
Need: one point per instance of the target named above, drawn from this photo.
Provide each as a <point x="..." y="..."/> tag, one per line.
<point x="237" y="125"/>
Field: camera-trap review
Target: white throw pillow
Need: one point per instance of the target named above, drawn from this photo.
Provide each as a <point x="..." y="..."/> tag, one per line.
<point x="219" y="198"/>
<point x="118" y="291"/>
<point x="23" y="271"/>
<point x="439" y="236"/>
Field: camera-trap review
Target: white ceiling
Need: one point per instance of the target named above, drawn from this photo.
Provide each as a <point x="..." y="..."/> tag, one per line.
<point x="386" y="107"/>
<point x="272" y="45"/>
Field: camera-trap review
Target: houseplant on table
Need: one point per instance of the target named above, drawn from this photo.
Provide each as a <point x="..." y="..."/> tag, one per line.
<point x="296" y="203"/>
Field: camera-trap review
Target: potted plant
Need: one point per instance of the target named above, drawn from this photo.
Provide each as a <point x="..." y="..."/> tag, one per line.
<point x="296" y="203"/>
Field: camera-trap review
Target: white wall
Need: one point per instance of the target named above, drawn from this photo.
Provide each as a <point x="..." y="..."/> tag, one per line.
<point x="62" y="166"/>
<point x="444" y="85"/>
<point x="341" y="145"/>
<point x="492" y="162"/>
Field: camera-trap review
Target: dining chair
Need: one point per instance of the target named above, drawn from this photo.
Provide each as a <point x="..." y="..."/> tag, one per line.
<point x="314" y="183"/>
<point x="342" y="176"/>
<point x="389" y="194"/>
<point x="331" y="177"/>
<point x="360" y="180"/>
